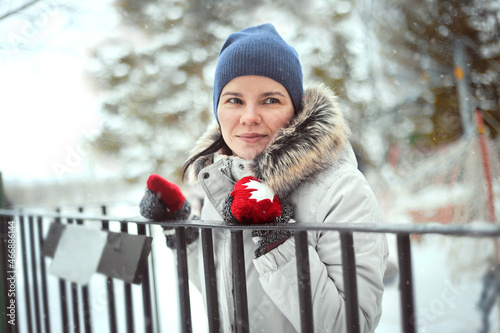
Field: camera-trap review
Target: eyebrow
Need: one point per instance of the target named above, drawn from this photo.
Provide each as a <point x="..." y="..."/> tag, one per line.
<point x="231" y="94"/>
<point x="266" y="94"/>
<point x="272" y="93"/>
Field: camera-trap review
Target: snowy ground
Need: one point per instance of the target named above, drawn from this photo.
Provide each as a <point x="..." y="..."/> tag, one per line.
<point x="448" y="285"/>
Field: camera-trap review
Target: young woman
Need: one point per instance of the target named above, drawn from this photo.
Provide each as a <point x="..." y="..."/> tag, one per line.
<point x="277" y="154"/>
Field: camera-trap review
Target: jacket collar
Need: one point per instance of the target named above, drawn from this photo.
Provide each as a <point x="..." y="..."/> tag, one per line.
<point x="314" y="140"/>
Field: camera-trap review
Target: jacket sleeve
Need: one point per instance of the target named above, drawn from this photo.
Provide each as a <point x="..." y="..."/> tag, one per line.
<point x="348" y="199"/>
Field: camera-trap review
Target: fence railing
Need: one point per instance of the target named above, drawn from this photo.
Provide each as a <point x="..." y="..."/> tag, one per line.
<point x="27" y="308"/>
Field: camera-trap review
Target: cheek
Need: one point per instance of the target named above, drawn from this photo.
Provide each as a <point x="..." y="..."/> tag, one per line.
<point x="282" y="121"/>
<point x="225" y="135"/>
<point x="226" y="123"/>
<point x="223" y="117"/>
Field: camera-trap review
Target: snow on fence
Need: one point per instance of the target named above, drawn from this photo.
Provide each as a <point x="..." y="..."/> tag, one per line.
<point x="37" y="302"/>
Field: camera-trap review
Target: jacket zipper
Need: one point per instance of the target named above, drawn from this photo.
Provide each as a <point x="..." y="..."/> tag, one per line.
<point x="227" y="169"/>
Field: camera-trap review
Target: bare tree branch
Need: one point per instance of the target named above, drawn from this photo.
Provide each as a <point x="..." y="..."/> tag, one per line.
<point x="18" y="10"/>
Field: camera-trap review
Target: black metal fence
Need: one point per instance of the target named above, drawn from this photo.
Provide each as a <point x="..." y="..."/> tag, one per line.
<point x="27" y="308"/>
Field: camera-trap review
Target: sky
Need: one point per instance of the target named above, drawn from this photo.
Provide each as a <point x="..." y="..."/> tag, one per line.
<point x="47" y="103"/>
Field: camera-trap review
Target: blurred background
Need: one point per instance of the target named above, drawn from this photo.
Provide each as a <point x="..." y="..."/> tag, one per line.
<point x="98" y="95"/>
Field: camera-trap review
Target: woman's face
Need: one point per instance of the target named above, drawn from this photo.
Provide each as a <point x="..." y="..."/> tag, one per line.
<point x="251" y="109"/>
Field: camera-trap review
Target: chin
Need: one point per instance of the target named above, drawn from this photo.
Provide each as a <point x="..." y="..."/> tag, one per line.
<point x="249" y="154"/>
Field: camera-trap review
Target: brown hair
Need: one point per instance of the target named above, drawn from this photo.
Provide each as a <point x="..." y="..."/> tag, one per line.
<point x="218" y="144"/>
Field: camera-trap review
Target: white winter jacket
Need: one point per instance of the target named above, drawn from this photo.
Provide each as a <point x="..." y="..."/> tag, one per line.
<point x="310" y="164"/>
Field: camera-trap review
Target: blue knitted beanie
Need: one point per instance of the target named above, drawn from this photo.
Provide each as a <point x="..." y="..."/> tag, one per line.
<point x="259" y="50"/>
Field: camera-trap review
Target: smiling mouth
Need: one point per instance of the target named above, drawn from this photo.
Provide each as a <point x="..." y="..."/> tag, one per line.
<point x="251" y="137"/>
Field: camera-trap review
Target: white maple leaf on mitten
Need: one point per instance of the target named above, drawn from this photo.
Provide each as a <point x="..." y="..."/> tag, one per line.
<point x="261" y="191"/>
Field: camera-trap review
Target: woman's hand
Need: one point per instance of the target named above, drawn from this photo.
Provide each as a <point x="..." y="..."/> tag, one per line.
<point x="253" y="202"/>
<point x="163" y="200"/>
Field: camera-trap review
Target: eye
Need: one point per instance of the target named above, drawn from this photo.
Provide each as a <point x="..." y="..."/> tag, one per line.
<point x="235" y="100"/>
<point x="271" y="100"/>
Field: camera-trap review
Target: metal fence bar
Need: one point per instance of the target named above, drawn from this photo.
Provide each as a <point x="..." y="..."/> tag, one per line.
<point x="207" y="244"/>
<point x="75" y="299"/>
<point x="63" y="294"/>
<point x="129" y="309"/>
<point x="113" y="327"/>
<point x="183" y="280"/>
<point x="85" y="295"/>
<point x="34" y="271"/>
<point x="27" y="292"/>
<point x="64" y="306"/>
<point x="43" y="275"/>
<point x="239" y="282"/>
<point x="86" y="309"/>
<point x="475" y="230"/>
<point x="146" y="290"/>
<point x="304" y="282"/>
<point x="350" y="283"/>
<point x="75" y="305"/>
<point x="406" y="284"/>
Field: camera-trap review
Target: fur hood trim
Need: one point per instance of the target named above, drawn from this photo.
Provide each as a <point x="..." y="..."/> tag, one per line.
<point x="313" y="141"/>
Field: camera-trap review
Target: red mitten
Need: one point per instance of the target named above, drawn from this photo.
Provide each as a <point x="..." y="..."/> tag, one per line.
<point x="254" y="202"/>
<point x="164" y="201"/>
<point x="169" y="192"/>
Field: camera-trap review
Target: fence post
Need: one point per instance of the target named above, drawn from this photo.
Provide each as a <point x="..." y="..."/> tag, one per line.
<point x="34" y="275"/>
<point x="75" y="299"/>
<point x="87" y="315"/>
<point x="63" y="293"/>
<point x="128" y="292"/>
<point x="146" y="290"/>
<point x="183" y="279"/>
<point x="350" y="282"/>
<point x="43" y="275"/>
<point x="408" y="318"/>
<point x="304" y="282"/>
<point x="239" y="282"/>
<point x="113" y="326"/>
<point x="210" y="280"/>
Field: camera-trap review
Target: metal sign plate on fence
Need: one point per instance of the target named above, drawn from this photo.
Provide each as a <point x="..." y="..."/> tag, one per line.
<point x="78" y="254"/>
<point x="125" y="256"/>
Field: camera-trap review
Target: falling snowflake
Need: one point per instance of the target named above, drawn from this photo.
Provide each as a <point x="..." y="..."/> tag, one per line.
<point x="261" y="191"/>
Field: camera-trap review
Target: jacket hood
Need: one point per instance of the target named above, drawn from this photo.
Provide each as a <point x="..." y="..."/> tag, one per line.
<point x="313" y="141"/>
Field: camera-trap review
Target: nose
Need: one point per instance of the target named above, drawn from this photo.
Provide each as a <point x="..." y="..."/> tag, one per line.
<point x="251" y="115"/>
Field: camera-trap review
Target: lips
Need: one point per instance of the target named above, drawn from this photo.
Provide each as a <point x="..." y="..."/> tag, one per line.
<point x="251" y="137"/>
